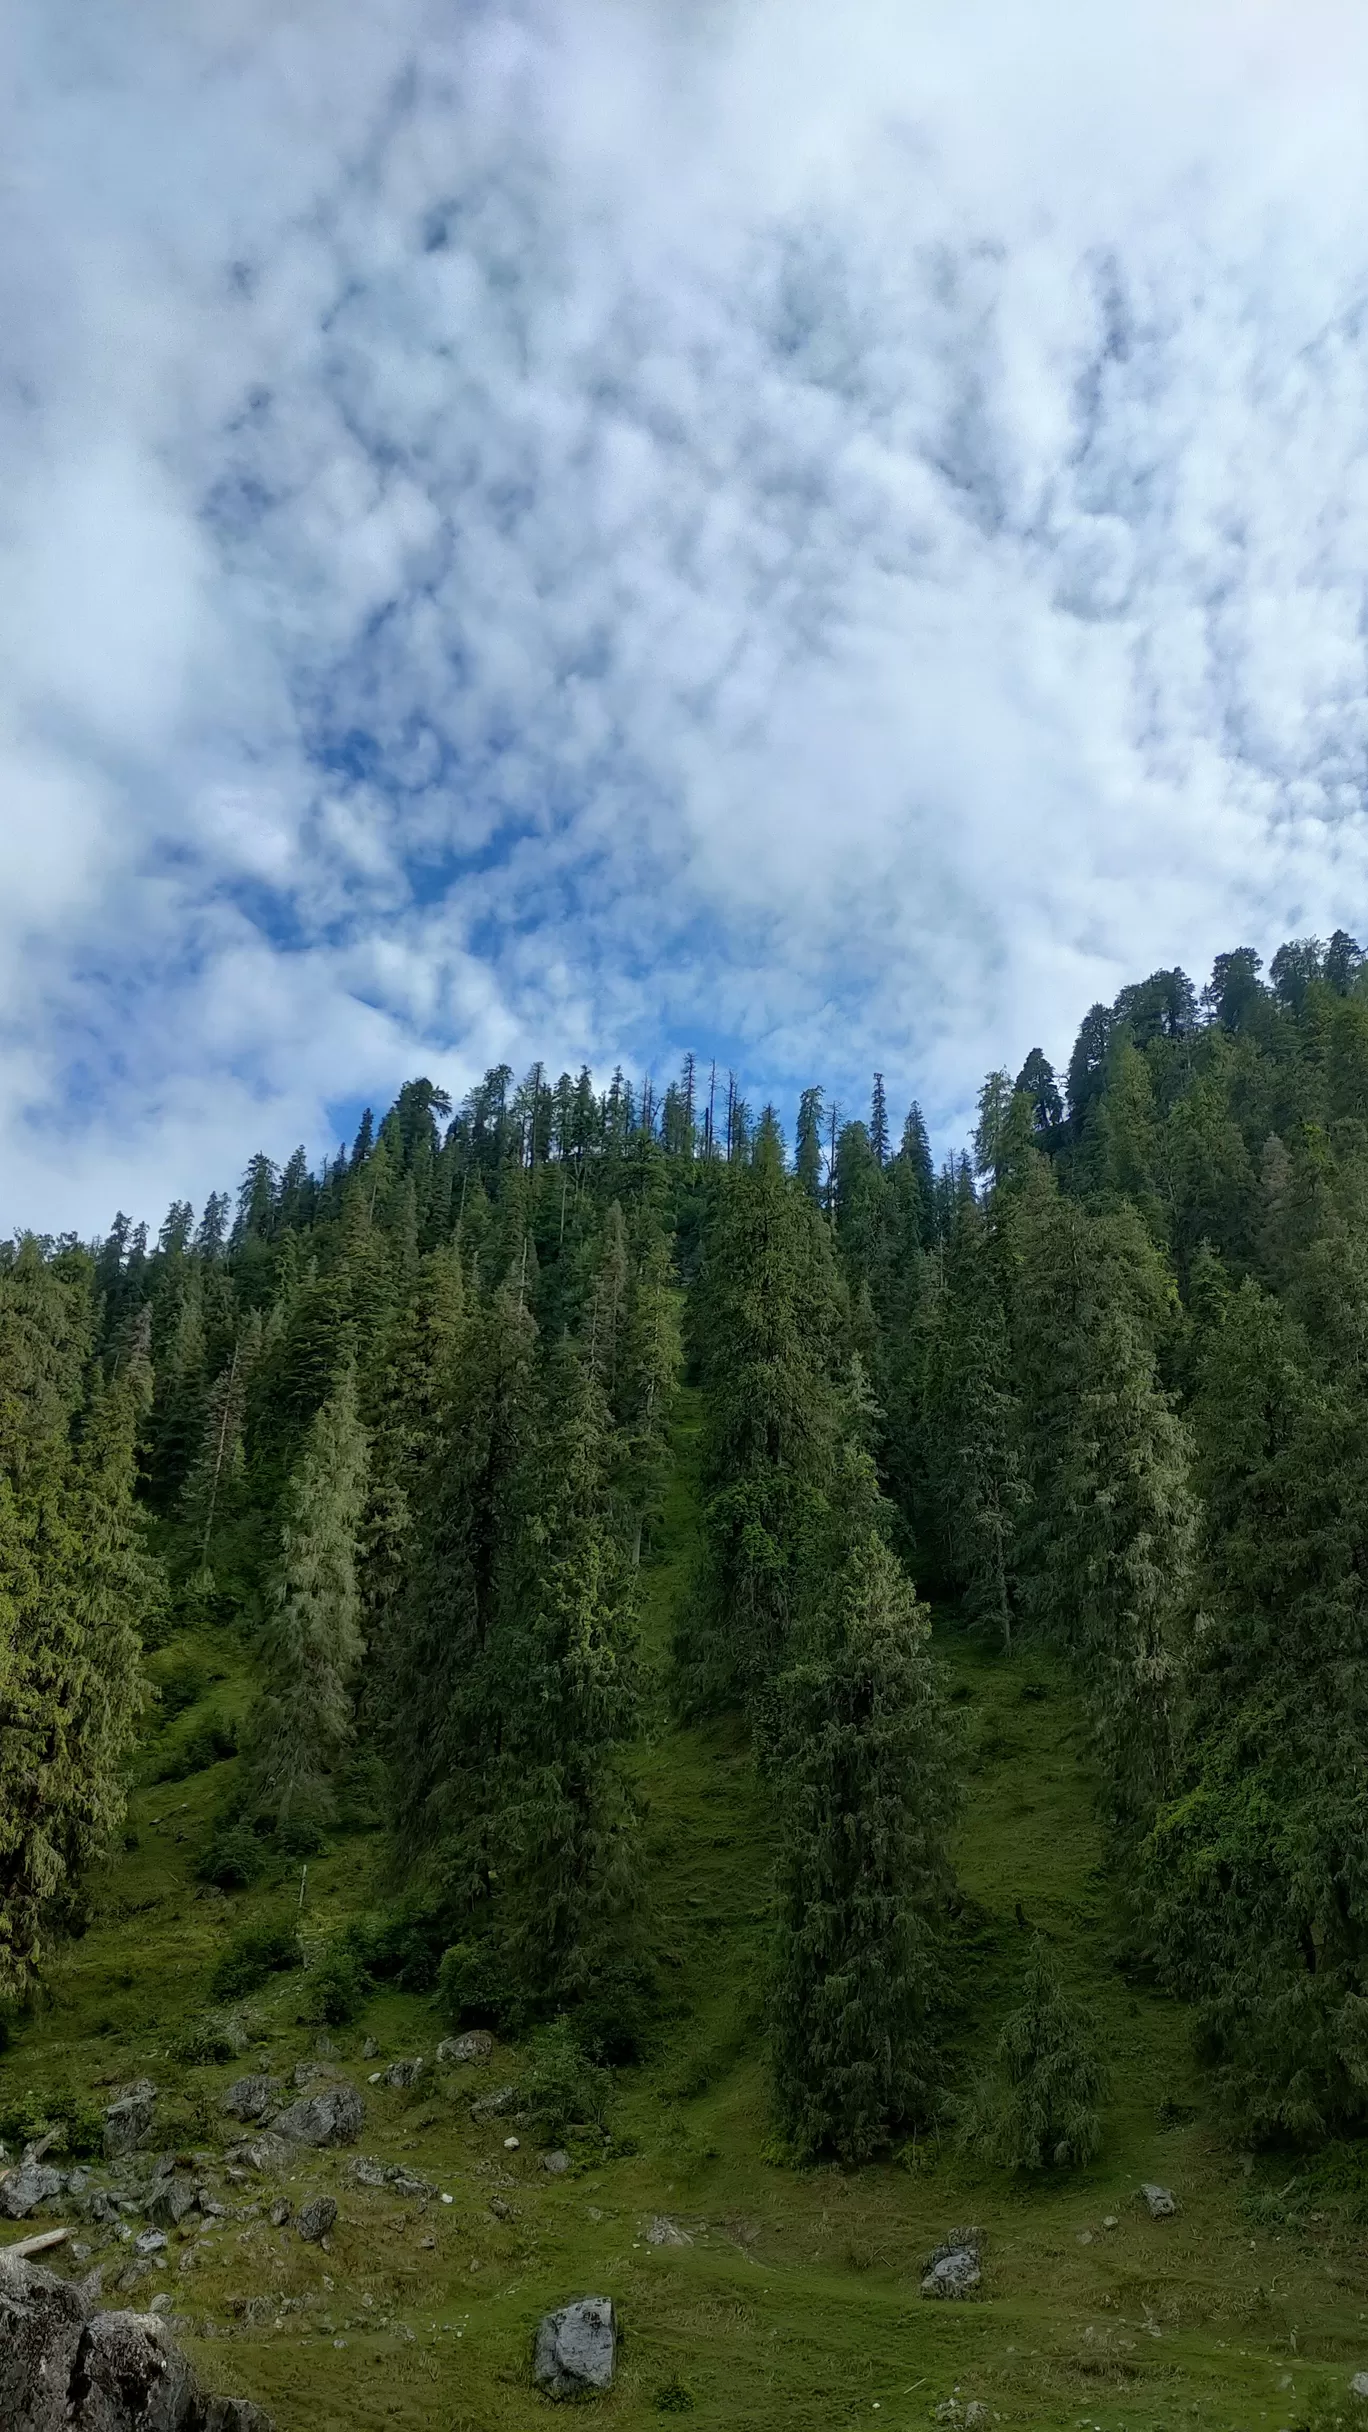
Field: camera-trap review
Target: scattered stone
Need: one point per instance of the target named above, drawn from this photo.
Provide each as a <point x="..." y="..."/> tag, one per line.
<point x="24" y="2189"/>
<point x="662" y="2231"/>
<point x="150" y="2242"/>
<point x="368" y="2173"/>
<point x="1110" y="2221"/>
<point x="66" y="2367"/>
<point x="1358" y="2387"/>
<point x="1084" y="2236"/>
<point x="261" y="2153"/>
<point x="556" y="2163"/>
<point x="955" y="2269"/>
<point x="977" y="2417"/>
<point x="456" y="2050"/>
<point x="280" y="2212"/>
<point x="500" y="2210"/>
<point x="333" y="2117"/>
<point x="370" y="2050"/>
<point x="403" y="2073"/>
<point x="1162" y="2201"/>
<point x="250" y="2098"/>
<point x="316" y="2219"/>
<point x="325" y="2047"/>
<point x="511" y="2144"/>
<point x="308" y="2072"/>
<point x="128" y="2118"/>
<point x="491" y="2106"/>
<point x="173" y="2199"/>
<point x="576" y="2349"/>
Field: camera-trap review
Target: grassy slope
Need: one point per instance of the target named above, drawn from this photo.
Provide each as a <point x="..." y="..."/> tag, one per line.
<point x="797" y="2304"/>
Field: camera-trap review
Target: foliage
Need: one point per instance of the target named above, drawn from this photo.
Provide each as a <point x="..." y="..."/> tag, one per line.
<point x="1038" y="2108"/>
<point x="562" y="2088"/>
<point x="259" y="1952"/>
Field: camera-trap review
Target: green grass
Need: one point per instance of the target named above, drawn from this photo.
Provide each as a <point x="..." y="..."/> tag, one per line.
<point x="797" y="2303"/>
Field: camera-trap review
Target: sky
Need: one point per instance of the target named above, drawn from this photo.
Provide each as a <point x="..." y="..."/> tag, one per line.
<point x="833" y="538"/>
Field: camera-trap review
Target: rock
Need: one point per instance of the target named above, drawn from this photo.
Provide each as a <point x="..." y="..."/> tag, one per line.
<point x="316" y="2219"/>
<point x="368" y="2173"/>
<point x="24" y="2189"/>
<point x="42" y="2323"/>
<point x="576" y="2349"/>
<point x="511" y="2144"/>
<point x="173" y="2199"/>
<point x="130" y="2373"/>
<point x="955" y="2269"/>
<point x="65" y="2367"/>
<point x="262" y="2153"/>
<point x="1162" y="2202"/>
<point x="333" y="2117"/>
<point x="500" y="2210"/>
<point x="977" y="2417"/>
<point x="457" y="2050"/>
<point x="250" y="2098"/>
<point x="664" y="2232"/>
<point x="128" y="2118"/>
<point x="150" y="2242"/>
<point x="491" y="2106"/>
<point x="556" y="2163"/>
<point x="403" y="2073"/>
<point x="370" y="2050"/>
<point x="1358" y="2387"/>
<point x="279" y="2213"/>
<point x="308" y="2072"/>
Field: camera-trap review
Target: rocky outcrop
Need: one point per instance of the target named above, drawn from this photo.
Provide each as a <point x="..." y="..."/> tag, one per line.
<point x="956" y="2267"/>
<point x="129" y="2118"/>
<point x="1161" y="2202"/>
<point x="333" y="2117"/>
<point x="457" y="2051"/>
<point x="67" y="2367"/>
<point x="576" y="2349"/>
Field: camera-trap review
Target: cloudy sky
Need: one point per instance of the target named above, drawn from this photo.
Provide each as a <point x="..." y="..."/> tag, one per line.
<point x="833" y="537"/>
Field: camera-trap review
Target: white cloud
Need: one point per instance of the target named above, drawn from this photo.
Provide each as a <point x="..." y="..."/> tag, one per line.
<point x="575" y="530"/>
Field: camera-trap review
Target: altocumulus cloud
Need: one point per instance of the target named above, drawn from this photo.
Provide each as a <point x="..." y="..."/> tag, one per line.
<point x="577" y="529"/>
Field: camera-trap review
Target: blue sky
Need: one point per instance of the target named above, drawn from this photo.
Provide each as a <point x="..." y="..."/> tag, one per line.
<point x="830" y="537"/>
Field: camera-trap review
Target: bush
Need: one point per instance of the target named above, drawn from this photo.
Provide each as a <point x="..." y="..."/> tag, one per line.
<point x="1038" y="2107"/>
<point x="208" y="1744"/>
<point x="235" y="1857"/>
<point x="400" y="1946"/>
<point x="182" y="1684"/>
<point x="300" y="1837"/>
<point x="563" y="2088"/>
<point x="210" y="2040"/>
<point x="338" y="1987"/>
<point x="33" y="2111"/>
<point x="254" y="1956"/>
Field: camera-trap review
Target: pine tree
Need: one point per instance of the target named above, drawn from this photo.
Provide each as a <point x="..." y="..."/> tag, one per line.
<point x="808" y="1160"/>
<point x="867" y="1801"/>
<point x="1038" y="2108"/>
<point x="973" y="1425"/>
<point x="302" y="1722"/>
<point x="75" y="1586"/>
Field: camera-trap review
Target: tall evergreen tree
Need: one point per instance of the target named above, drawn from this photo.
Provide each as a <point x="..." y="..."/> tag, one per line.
<point x="868" y="1798"/>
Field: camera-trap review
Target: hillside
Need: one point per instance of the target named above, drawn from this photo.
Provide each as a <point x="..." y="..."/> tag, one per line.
<point x="796" y="2304"/>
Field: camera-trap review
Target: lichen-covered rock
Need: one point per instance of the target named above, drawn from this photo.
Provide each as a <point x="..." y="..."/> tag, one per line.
<point x="129" y="2118"/>
<point x="250" y="2098"/>
<point x="42" y="2323"/>
<point x="956" y="2268"/>
<point x="131" y="2377"/>
<point x="492" y="2106"/>
<point x="172" y="2199"/>
<point x="1161" y="2201"/>
<point x="402" y="2073"/>
<point x="24" y="2189"/>
<point x="332" y="2117"/>
<point x="455" y="2051"/>
<point x="316" y="2219"/>
<point x="576" y="2349"/>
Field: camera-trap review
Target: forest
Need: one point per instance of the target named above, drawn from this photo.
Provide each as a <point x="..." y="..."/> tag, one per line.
<point x="402" y="1425"/>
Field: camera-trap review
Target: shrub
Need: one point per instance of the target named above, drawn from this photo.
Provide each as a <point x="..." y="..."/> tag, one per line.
<point x="300" y="1837"/>
<point x="254" y="1956"/>
<point x="235" y="1857"/>
<point x="1038" y="2107"/>
<point x="208" y="1744"/>
<point x="563" y="2088"/>
<point x="35" y="2110"/>
<point x="338" y="1987"/>
<point x="181" y="1684"/>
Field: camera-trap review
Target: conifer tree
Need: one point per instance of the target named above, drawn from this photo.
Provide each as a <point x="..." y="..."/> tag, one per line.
<point x="1038" y="2108"/>
<point x="867" y="1801"/>
<point x="302" y="1722"/>
<point x="75" y="1586"/>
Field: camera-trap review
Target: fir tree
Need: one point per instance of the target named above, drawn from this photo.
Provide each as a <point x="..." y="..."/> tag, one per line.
<point x="868" y="1799"/>
<point x="301" y="1725"/>
<point x="1038" y="2109"/>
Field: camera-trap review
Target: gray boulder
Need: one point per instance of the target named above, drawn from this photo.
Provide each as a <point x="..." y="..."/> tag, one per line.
<point x="333" y="2117"/>
<point x="576" y="2349"/>
<point x="250" y="2098"/>
<point x="402" y="2073"/>
<point x="128" y="2118"/>
<point x="556" y="2162"/>
<point x="492" y="2106"/>
<point x="42" y="2323"/>
<point x="662" y="2231"/>
<point x="456" y="2050"/>
<point x="1358" y="2387"/>
<point x="264" y="2152"/>
<point x="315" y="2219"/>
<point x="65" y="2367"/>
<point x="172" y="2200"/>
<point x="956" y="2268"/>
<point x="24" y="2189"/>
<point x="1162" y="2201"/>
